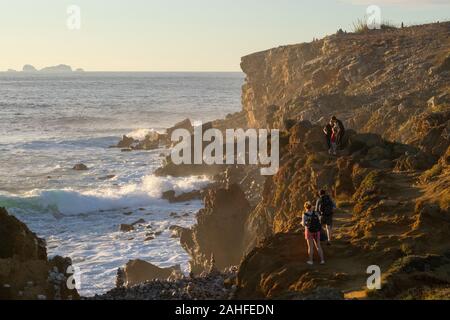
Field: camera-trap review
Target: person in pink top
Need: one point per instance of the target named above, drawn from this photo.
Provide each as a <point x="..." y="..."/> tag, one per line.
<point x="311" y="222"/>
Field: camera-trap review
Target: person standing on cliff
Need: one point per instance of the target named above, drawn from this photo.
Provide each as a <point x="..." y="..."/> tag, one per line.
<point x="328" y="130"/>
<point x="335" y="121"/>
<point x="325" y="206"/>
<point x="311" y="222"/>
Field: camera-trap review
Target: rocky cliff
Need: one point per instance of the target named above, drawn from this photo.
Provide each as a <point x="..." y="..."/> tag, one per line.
<point x="382" y="81"/>
<point x="390" y="179"/>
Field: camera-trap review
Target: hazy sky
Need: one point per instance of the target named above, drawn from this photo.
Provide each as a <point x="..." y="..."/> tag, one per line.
<point x="179" y="35"/>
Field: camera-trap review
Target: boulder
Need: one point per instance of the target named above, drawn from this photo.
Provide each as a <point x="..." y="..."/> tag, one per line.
<point x="139" y="271"/>
<point x="126" y="227"/>
<point x="80" y="167"/>
<point x="126" y="142"/>
<point x="184" y="197"/>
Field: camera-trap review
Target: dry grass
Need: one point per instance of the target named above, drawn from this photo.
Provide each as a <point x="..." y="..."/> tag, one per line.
<point x="360" y="26"/>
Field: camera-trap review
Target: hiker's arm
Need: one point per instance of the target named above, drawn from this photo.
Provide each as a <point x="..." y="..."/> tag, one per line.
<point x="303" y="220"/>
<point x="317" y="204"/>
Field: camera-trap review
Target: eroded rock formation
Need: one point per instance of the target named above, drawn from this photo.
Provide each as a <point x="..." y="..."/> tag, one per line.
<point x="219" y="230"/>
<point x="25" y="271"/>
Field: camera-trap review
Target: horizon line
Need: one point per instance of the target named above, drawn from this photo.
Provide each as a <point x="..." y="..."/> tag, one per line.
<point x="117" y="71"/>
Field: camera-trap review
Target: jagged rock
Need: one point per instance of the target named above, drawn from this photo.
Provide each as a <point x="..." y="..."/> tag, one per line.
<point x="25" y="272"/>
<point x="18" y="241"/>
<point x="219" y="230"/>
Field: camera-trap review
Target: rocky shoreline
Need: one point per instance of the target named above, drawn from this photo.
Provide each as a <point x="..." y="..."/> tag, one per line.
<point x="211" y="285"/>
<point x="391" y="178"/>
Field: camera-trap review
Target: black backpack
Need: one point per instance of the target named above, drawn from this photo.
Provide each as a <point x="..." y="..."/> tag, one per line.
<point x="313" y="222"/>
<point x="326" y="206"/>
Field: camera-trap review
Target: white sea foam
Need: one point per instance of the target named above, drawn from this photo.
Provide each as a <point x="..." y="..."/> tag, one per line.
<point x="71" y="202"/>
<point x="87" y="225"/>
<point x="141" y="134"/>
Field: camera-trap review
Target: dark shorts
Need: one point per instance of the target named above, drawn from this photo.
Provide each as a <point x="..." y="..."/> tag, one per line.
<point x="327" y="220"/>
<point x="312" y="235"/>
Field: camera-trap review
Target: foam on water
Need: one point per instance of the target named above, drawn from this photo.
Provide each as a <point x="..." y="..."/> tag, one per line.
<point x="85" y="225"/>
<point x="49" y="123"/>
<point x="141" y="134"/>
<point x="71" y="202"/>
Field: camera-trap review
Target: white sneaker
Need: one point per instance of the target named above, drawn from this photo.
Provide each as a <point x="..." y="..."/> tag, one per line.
<point x="310" y="263"/>
<point x="322" y="262"/>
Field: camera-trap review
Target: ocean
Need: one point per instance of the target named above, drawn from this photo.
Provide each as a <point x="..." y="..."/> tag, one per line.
<point x="49" y="123"/>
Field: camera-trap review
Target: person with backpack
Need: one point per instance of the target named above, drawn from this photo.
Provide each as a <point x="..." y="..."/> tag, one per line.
<point x="325" y="207"/>
<point x="311" y="222"/>
<point x="340" y="130"/>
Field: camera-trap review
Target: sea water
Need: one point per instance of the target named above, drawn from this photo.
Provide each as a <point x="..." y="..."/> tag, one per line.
<point x="49" y="123"/>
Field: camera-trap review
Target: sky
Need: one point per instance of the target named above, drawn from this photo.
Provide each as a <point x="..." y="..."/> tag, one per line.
<point x="179" y="35"/>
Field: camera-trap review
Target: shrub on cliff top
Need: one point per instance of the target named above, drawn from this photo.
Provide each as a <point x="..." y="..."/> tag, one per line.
<point x="360" y="26"/>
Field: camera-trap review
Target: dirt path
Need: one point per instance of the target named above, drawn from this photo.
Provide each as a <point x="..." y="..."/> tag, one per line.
<point x="400" y="188"/>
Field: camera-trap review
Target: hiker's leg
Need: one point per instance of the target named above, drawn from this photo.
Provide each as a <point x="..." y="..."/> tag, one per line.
<point x="329" y="231"/>
<point x="310" y="249"/>
<point x="319" y="250"/>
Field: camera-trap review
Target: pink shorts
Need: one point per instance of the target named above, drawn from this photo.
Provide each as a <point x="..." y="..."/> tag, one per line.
<point x="312" y="235"/>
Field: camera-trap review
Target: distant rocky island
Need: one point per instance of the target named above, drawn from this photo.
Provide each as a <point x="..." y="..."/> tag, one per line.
<point x="61" y="68"/>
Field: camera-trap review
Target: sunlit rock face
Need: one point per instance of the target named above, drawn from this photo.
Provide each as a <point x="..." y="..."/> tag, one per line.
<point x="382" y="82"/>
